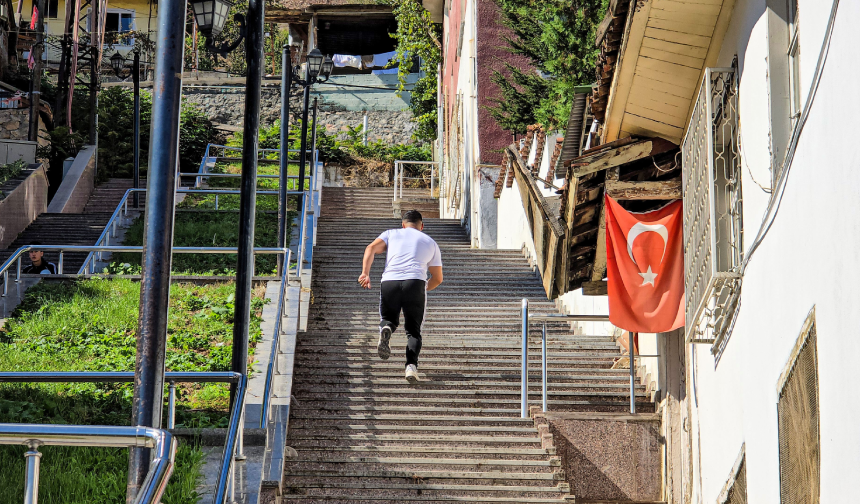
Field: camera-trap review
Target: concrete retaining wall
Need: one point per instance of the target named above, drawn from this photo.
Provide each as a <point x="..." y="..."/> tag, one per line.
<point x="609" y="456"/>
<point x="23" y="204"/>
<point x="78" y="185"/>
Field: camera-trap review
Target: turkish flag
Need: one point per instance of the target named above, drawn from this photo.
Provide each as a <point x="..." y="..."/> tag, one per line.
<point x="645" y="268"/>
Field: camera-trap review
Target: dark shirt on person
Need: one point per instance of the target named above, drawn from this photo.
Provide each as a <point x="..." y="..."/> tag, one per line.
<point x="46" y="268"/>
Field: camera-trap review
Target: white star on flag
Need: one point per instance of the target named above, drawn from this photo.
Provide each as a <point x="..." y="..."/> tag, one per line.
<point x="648" y="277"/>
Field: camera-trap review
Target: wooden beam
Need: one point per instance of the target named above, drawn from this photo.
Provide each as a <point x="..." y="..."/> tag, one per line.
<point x="618" y="156"/>
<point x="652" y="190"/>
<point x="598" y="288"/>
<point x="599" y="270"/>
<point x="521" y="170"/>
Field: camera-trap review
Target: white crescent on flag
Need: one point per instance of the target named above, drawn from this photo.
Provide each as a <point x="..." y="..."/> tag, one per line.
<point x="640" y="228"/>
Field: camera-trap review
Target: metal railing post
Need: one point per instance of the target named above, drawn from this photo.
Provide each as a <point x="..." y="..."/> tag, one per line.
<point x="524" y="390"/>
<point x="396" y="165"/>
<point x="5" y="283"/>
<point x="216" y="202"/>
<point x="18" y="275"/>
<point x="171" y="405"/>
<point x="60" y="264"/>
<point x="543" y="365"/>
<point x="632" y="374"/>
<point x="31" y="490"/>
<point x="432" y="179"/>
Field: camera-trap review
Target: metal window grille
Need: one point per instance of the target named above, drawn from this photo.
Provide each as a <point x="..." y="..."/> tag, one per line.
<point x="713" y="240"/>
<point x="797" y="410"/>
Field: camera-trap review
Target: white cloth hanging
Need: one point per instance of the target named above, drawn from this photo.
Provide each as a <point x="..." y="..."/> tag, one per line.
<point x="346" y="60"/>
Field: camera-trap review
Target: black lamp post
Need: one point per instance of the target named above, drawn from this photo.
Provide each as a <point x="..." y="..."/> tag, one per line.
<point x="318" y="70"/>
<point x="117" y="62"/>
<point x="211" y="16"/>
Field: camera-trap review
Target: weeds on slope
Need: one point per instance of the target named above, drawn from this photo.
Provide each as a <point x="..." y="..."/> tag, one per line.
<point x="90" y="325"/>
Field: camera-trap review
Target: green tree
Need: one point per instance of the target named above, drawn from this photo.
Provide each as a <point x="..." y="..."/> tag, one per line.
<point x="418" y="37"/>
<point x="557" y="37"/>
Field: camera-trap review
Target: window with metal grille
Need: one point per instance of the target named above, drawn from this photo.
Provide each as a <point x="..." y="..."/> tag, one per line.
<point x="713" y="208"/>
<point x="797" y="411"/>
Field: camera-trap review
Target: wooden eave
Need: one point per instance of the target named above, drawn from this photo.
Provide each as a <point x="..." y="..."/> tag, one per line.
<point x="665" y="49"/>
<point x="569" y="230"/>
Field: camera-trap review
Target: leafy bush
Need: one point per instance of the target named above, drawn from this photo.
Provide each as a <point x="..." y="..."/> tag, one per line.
<point x="341" y="150"/>
<point x="11" y="170"/>
<point x="116" y="131"/>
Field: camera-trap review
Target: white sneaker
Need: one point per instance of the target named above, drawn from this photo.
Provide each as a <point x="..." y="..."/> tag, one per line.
<point x="382" y="347"/>
<point x="412" y="373"/>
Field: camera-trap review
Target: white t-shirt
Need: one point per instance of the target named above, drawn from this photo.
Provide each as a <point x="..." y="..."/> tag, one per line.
<point x="410" y="253"/>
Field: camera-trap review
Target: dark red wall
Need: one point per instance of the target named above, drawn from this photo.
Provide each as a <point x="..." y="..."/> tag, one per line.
<point x="492" y="53"/>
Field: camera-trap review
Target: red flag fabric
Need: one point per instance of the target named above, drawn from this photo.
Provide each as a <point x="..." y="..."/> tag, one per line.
<point x="645" y="268"/>
<point x="34" y="18"/>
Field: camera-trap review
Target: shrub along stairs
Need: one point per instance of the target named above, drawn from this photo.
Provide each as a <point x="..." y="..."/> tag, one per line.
<point x="363" y="433"/>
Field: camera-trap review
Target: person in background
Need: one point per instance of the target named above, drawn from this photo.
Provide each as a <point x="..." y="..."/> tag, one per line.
<point x="38" y="264"/>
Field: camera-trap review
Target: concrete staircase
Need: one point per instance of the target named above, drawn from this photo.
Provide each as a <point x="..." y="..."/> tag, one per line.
<point x="72" y="229"/>
<point x="363" y="433"/>
<point x="108" y="194"/>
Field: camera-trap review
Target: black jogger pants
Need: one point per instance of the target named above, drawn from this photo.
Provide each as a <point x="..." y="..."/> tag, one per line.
<point x="410" y="296"/>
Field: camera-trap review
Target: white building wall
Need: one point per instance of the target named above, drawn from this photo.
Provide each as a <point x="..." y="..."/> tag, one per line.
<point x="808" y="259"/>
<point x="466" y="154"/>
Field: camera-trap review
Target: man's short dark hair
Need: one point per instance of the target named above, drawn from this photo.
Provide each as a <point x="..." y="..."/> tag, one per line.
<point x="412" y="217"/>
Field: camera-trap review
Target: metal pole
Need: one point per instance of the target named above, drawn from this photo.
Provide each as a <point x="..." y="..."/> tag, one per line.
<point x="432" y="179"/>
<point x="543" y="365"/>
<point x="632" y="375"/>
<point x="364" y="129"/>
<point x="524" y="390"/>
<point x="286" y="85"/>
<point x="248" y="197"/>
<point x="158" y="232"/>
<point x="136" y="78"/>
<point x="60" y="264"/>
<point x="31" y="490"/>
<point x="36" y="83"/>
<point x="171" y="405"/>
<point x="313" y="160"/>
<point x="304" y="141"/>
<point x="396" y="167"/>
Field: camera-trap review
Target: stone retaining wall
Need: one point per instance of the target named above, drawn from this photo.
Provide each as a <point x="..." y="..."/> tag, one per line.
<point x="226" y="105"/>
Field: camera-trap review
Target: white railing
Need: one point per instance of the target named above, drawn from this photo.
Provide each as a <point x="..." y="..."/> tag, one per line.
<point x="400" y="177"/>
<point x="713" y="239"/>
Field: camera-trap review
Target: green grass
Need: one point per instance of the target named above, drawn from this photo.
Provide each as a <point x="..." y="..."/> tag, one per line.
<point x="88" y="475"/>
<point x="90" y="325"/>
<point x="195" y="226"/>
<point x="265" y="202"/>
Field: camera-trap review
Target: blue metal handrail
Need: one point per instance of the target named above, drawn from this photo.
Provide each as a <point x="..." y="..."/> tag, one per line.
<point x="276" y="337"/>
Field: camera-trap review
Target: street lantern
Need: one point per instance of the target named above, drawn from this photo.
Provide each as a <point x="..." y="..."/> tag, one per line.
<point x="327" y="67"/>
<point x="117" y="62"/>
<point x="315" y="63"/>
<point x="211" y="15"/>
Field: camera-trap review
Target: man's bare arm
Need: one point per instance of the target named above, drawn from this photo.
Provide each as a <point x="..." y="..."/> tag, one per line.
<point x="377" y="247"/>
<point x="435" y="277"/>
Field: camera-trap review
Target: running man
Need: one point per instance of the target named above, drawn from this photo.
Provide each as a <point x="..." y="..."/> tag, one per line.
<point x="404" y="285"/>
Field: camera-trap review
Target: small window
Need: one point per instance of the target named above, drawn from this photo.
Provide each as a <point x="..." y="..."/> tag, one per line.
<point x="118" y="22"/>
<point x="797" y="412"/>
<point x="52" y="9"/>
<point x="793" y="63"/>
